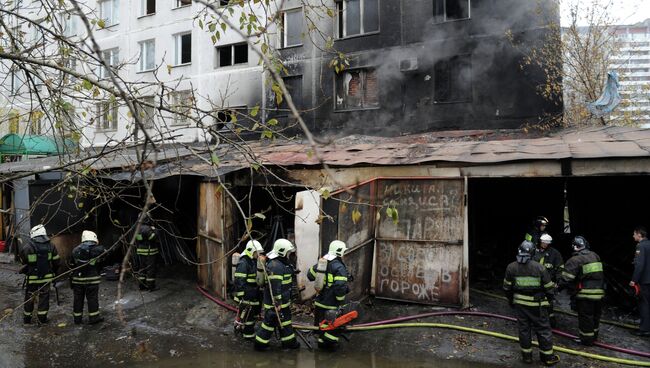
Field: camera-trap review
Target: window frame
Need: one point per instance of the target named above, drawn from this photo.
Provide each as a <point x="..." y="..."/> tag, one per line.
<point x="364" y="69"/>
<point x="342" y="24"/>
<point x="217" y="59"/>
<point x="178" y="4"/>
<point x="143" y="55"/>
<point x="178" y="49"/>
<point x="451" y="61"/>
<point x="69" y="24"/>
<point x="115" y="13"/>
<point x="102" y="116"/>
<point x="283" y="34"/>
<point x="282" y="110"/>
<point x="179" y="120"/>
<point x="144" y="7"/>
<point x="148" y="116"/>
<point x="439" y="20"/>
<point x="112" y="61"/>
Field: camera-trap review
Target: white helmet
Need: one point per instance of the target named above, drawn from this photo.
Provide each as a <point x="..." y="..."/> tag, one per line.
<point x="88" y="235"/>
<point x="337" y="248"/>
<point x="38" y="230"/>
<point x="282" y="247"/>
<point x="546" y="239"/>
<point x="253" y="246"/>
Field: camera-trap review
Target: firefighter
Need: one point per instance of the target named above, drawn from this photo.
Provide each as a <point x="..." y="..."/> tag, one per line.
<point x="529" y="289"/>
<point x="41" y="262"/>
<point x="550" y="258"/>
<point x="146" y="256"/>
<point x="247" y="292"/>
<point x="583" y="276"/>
<point x="86" y="277"/>
<point x="277" y="298"/>
<point x="332" y="287"/>
<point x="641" y="279"/>
<point x="537" y="230"/>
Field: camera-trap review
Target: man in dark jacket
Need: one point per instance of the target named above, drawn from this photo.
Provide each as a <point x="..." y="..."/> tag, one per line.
<point x="539" y="227"/>
<point x="247" y="291"/>
<point x="529" y="288"/>
<point x="146" y="257"/>
<point x="332" y="291"/>
<point x="86" y="277"/>
<point x="641" y="279"/>
<point x="277" y="298"/>
<point x="583" y="276"/>
<point x="41" y="262"/>
<point x="551" y="259"/>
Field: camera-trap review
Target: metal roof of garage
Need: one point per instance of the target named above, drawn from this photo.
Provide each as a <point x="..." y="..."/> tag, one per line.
<point x="461" y="147"/>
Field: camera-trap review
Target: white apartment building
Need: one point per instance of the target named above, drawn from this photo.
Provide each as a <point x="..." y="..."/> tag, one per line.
<point x="150" y="43"/>
<point x="633" y="64"/>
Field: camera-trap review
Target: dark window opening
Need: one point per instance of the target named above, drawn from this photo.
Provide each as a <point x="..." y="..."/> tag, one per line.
<point x="453" y="79"/>
<point x="241" y="53"/>
<point x="357" y="89"/>
<point x="224" y="2"/>
<point x="151" y="7"/>
<point x="447" y="10"/>
<point x="294" y="87"/>
<point x="186" y="48"/>
<point x="232" y="55"/>
<point x="180" y="3"/>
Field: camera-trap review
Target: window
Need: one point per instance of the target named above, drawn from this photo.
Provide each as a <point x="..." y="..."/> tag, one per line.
<point x="183" y="44"/>
<point x="71" y="63"/>
<point x="232" y="55"/>
<point x="147" y="55"/>
<point x="16" y="80"/>
<point x="357" y="17"/>
<point x="147" y="7"/>
<point x="291" y="28"/>
<point x="180" y="3"/>
<point x="448" y="10"/>
<point x="109" y="11"/>
<point x="147" y="111"/>
<point x="453" y="79"/>
<point x="69" y="24"/>
<point x="224" y="117"/>
<point x="356" y="89"/>
<point x="182" y="105"/>
<point x="111" y="57"/>
<point x="294" y="87"/>
<point x="107" y="115"/>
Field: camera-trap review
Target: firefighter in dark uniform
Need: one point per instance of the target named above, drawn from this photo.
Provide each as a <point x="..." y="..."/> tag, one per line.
<point x="537" y="230"/>
<point x="277" y="298"/>
<point x="529" y="288"/>
<point x="247" y="291"/>
<point x="332" y="292"/>
<point x="146" y="257"/>
<point x="583" y="276"/>
<point x="86" y="277"/>
<point x="641" y="279"/>
<point x="41" y="262"/>
<point x="550" y="258"/>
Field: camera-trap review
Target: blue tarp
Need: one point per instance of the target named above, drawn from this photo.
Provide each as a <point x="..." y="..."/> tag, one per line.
<point x="609" y="99"/>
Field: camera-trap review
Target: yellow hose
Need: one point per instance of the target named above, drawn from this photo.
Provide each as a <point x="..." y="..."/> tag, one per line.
<point x="609" y="322"/>
<point x="493" y="334"/>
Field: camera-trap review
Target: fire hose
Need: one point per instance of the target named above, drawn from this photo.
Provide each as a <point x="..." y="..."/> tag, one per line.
<point x="392" y="323"/>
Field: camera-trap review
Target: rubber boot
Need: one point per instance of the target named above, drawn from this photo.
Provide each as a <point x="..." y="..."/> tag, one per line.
<point x="95" y="319"/>
<point x="43" y="319"/>
<point x="527" y="357"/>
<point x="260" y="346"/>
<point x="27" y="319"/>
<point x="291" y="344"/>
<point x="550" y="359"/>
<point x="78" y="320"/>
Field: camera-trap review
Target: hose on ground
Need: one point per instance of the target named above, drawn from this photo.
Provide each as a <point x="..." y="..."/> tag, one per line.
<point x="609" y="322"/>
<point x="391" y="324"/>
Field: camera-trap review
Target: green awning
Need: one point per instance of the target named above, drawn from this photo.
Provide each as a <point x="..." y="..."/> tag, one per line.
<point x="14" y="144"/>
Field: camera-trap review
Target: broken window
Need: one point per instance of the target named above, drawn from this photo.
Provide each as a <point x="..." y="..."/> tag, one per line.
<point x="453" y="79"/>
<point x="232" y="55"/>
<point x="107" y="116"/>
<point x="356" y="89"/>
<point x="291" y="28"/>
<point x="357" y="17"/>
<point x="183" y="44"/>
<point x="294" y="87"/>
<point x="224" y="118"/>
<point x="182" y="106"/>
<point x="448" y="10"/>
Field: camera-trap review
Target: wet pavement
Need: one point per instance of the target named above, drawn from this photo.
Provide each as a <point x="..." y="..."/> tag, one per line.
<point x="177" y="327"/>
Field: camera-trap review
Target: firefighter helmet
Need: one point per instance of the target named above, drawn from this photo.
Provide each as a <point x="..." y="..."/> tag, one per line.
<point x="282" y="247"/>
<point x="525" y="252"/>
<point x="253" y="246"/>
<point x="541" y="221"/>
<point x="38" y="230"/>
<point x="337" y="248"/>
<point x="579" y="243"/>
<point x="88" y="235"/>
<point x="546" y="239"/>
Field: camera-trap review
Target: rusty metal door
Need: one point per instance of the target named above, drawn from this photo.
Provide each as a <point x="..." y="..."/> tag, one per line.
<point x="210" y="250"/>
<point x="421" y="252"/>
